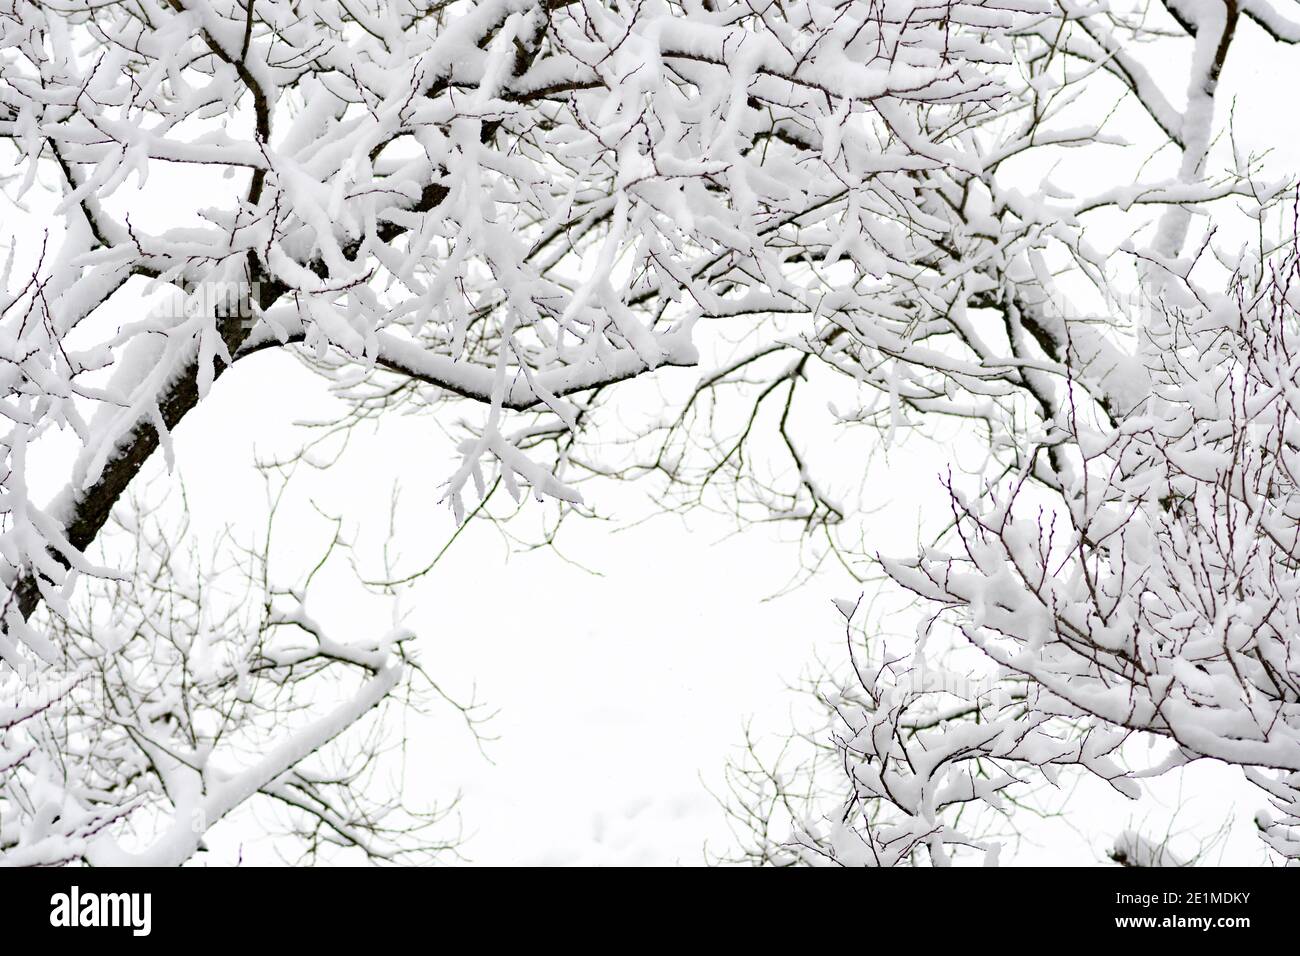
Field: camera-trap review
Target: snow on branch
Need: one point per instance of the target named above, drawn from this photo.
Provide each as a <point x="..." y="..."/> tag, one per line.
<point x="509" y="201"/>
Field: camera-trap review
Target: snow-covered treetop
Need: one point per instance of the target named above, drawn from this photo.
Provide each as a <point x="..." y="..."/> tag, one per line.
<point x="511" y="201"/>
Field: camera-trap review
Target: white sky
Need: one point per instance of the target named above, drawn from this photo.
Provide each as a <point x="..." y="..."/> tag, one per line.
<point x="620" y="693"/>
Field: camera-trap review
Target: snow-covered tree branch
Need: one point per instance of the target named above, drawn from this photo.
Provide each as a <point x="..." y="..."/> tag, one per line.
<point x="195" y="687"/>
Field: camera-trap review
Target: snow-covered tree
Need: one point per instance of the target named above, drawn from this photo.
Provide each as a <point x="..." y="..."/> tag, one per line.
<point x="508" y="204"/>
<point x="1125" y="558"/>
<point x="194" y="687"/>
<point x="1020" y="215"/>
<point x="1157" y="598"/>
